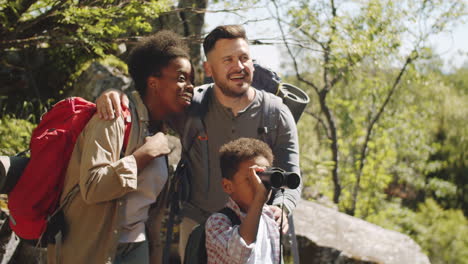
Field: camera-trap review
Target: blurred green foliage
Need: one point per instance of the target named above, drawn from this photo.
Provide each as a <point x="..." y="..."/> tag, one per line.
<point x="368" y="93"/>
<point x="399" y="120"/>
<point x="15" y="135"/>
<point x="44" y="44"/>
<point x="442" y="234"/>
<point x="415" y="179"/>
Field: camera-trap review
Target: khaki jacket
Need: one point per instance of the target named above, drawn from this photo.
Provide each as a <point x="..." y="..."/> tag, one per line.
<point x="92" y="216"/>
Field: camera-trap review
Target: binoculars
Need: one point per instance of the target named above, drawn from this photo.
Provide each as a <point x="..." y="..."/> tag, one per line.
<point x="278" y="178"/>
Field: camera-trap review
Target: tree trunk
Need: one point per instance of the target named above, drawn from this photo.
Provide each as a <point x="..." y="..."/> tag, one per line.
<point x="334" y="144"/>
<point x="193" y="24"/>
<point x="188" y="21"/>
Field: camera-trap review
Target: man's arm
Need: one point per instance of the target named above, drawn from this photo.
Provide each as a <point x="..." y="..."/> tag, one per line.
<point x="110" y="103"/>
<point x="286" y="151"/>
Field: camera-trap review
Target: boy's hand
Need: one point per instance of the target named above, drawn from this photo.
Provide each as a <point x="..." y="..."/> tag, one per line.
<point x="261" y="193"/>
<point x="249" y="226"/>
<point x="109" y="102"/>
<point x="277" y="215"/>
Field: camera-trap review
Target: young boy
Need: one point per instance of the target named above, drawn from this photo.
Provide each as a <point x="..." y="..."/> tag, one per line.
<point x="256" y="239"/>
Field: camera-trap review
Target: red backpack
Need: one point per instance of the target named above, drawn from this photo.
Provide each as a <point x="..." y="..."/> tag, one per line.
<point x="36" y="195"/>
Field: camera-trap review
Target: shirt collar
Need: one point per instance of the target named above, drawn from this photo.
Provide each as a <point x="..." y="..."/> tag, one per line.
<point x="140" y="107"/>
<point x="255" y="102"/>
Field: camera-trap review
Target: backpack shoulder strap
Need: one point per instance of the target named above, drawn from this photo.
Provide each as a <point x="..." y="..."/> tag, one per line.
<point x="195" y="250"/>
<point x="194" y="124"/>
<point x="271" y="113"/>
<point x="193" y="128"/>
<point x="127" y="116"/>
<point x="231" y="215"/>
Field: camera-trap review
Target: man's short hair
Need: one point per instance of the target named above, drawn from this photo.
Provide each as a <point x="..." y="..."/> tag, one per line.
<point x="154" y="53"/>
<point x="233" y="153"/>
<point x="223" y="32"/>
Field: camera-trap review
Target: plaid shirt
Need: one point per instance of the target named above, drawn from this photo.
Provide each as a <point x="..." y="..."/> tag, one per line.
<point x="225" y="245"/>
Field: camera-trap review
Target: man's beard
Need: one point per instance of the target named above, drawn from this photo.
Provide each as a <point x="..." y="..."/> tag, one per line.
<point x="230" y="92"/>
<point x="233" y="93"/>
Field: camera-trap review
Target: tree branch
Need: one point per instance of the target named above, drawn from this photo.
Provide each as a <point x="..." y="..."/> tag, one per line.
<point x="363" y="155"/>
<point x="296" y="67"/>
<point x="31" y="23"/>
<point x="327" y="48"/>
<point x="15" y="9"/>
<point x="321" y="121"/>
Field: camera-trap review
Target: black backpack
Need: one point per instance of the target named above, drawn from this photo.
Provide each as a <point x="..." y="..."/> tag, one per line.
<point x="195" y="251"/>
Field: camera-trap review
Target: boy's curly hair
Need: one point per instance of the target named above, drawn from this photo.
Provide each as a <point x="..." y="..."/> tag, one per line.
<point x="233" y="153"/>
<point x="154" y="53"/>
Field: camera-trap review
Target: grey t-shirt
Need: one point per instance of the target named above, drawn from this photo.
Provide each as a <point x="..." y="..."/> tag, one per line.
<point x="221" y="127"/>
